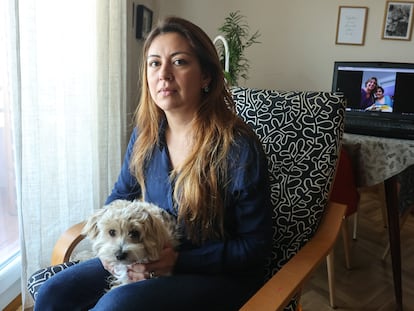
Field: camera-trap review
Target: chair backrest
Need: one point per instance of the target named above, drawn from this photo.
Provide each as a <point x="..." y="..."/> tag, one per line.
<point x="301" y="133"/>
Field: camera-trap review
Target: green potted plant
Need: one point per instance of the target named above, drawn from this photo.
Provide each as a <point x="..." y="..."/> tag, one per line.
<point x="236" y="32"/>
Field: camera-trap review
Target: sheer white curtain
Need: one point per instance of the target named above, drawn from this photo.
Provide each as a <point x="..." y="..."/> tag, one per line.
<point x="70" y="116"/>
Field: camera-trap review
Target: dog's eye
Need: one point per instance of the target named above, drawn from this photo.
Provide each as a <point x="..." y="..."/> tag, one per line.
<point x="134" y="234"/>
<point x="112" y="232"/>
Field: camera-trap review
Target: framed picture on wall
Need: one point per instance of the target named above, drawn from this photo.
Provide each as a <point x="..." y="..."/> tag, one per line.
<point x="143" y="21"/>
<point x="351" y="25"/>
<point x="398" y="19"/>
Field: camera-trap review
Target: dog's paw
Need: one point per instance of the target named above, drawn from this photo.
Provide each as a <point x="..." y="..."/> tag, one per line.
<point x="120" y="271"/>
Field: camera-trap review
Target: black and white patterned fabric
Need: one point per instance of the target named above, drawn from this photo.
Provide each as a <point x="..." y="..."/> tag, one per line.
<point x="301" y="134"/>
<point x="39" y="277"/>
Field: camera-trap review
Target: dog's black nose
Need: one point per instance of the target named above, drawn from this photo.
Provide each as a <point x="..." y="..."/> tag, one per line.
<point x="120" y="255"/>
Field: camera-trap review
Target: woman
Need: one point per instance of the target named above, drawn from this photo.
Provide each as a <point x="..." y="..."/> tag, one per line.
<point x="367" y="93"/>
<point x="382" y="102"/>
<point x="191" y="155"/>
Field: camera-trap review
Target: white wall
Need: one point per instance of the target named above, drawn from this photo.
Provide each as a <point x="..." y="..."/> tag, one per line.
<point x="298" y="37"/>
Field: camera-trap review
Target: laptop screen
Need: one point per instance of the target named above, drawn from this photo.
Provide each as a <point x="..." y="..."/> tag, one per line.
<point x="379" y="97"/>
<point x="376" y="86"/>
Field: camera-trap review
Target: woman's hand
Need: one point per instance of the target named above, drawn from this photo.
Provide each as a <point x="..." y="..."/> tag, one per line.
<point x="161" y="267"/>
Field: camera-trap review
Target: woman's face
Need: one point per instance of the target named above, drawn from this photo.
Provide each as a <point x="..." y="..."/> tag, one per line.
<point x="371" y="85"/>
<point x="174" y="75"/>
<point x="379" y="93"/>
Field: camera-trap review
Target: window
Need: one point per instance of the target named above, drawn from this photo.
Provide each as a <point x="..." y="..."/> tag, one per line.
<point x="9" y="231"/>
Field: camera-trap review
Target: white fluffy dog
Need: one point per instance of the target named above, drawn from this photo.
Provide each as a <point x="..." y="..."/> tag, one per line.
<point x="126" y="232"/>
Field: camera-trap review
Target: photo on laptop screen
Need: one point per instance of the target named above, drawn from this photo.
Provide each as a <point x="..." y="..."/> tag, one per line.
<point x="376" y="86"/>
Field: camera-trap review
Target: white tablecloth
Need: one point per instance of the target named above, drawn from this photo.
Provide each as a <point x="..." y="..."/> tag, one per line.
<point x="378" y="159"/>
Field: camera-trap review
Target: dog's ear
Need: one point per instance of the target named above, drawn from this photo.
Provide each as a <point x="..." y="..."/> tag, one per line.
<point x="91" y="227"/>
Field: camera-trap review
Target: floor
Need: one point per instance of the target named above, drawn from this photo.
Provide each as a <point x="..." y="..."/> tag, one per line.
<point x="368" y="285"/>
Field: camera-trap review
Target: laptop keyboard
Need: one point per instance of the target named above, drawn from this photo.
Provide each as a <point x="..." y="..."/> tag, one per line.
<point x="380" y="127"/>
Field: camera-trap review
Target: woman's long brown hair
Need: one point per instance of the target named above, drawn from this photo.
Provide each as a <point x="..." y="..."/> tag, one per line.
<point x="200" y="184"/>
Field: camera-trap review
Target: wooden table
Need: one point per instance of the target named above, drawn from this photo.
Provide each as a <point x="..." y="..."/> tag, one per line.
<point x="380" y="160"/>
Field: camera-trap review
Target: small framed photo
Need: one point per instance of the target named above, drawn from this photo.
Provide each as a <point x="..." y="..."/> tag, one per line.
<point x="352" y="21"/>
<point x="398" y="19"/>
<point x="143" y="21"/>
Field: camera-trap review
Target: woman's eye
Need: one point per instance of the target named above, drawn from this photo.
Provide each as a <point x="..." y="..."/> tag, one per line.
<point x="179" y="62"/>
<point x="153" y="63"/>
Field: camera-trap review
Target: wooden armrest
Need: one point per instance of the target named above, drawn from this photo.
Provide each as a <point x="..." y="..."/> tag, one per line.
<point x="289" y="280"/>
<point x="66" y="243"/>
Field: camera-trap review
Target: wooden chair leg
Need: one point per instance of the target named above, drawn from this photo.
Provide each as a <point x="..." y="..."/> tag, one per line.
<point x="347" y="244"/>
<point x="299" y="295"/>
<point x="354" y="232"/>
<point x="331" y="278"/>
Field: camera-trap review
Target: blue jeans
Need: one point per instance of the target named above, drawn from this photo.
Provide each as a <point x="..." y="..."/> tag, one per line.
<point x="83" y="287"/>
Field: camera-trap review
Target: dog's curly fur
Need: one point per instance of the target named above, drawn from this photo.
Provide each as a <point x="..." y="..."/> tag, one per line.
<point x="126" y="232"/>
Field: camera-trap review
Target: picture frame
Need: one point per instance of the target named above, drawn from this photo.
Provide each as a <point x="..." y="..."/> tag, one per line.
<point x="352" y="21"/>
<point x="398" y="18"/>
<point x="143" y="23"/>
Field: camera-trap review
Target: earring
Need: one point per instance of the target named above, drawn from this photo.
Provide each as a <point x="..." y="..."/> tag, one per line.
<point x="206" y="89"/>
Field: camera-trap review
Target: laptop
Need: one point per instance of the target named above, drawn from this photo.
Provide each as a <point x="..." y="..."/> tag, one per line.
<point x="390" y="114"/>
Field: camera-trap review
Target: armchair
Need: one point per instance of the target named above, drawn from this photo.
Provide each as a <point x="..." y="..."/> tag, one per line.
<point x="301" y="133"/>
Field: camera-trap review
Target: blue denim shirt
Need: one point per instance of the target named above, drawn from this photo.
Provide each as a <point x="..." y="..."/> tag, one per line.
<point x="247" y="220"/>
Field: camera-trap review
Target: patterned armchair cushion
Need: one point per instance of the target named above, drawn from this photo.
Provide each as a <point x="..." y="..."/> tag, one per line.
<point x="301" y="134"/>
<point x="40" y="276"/>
